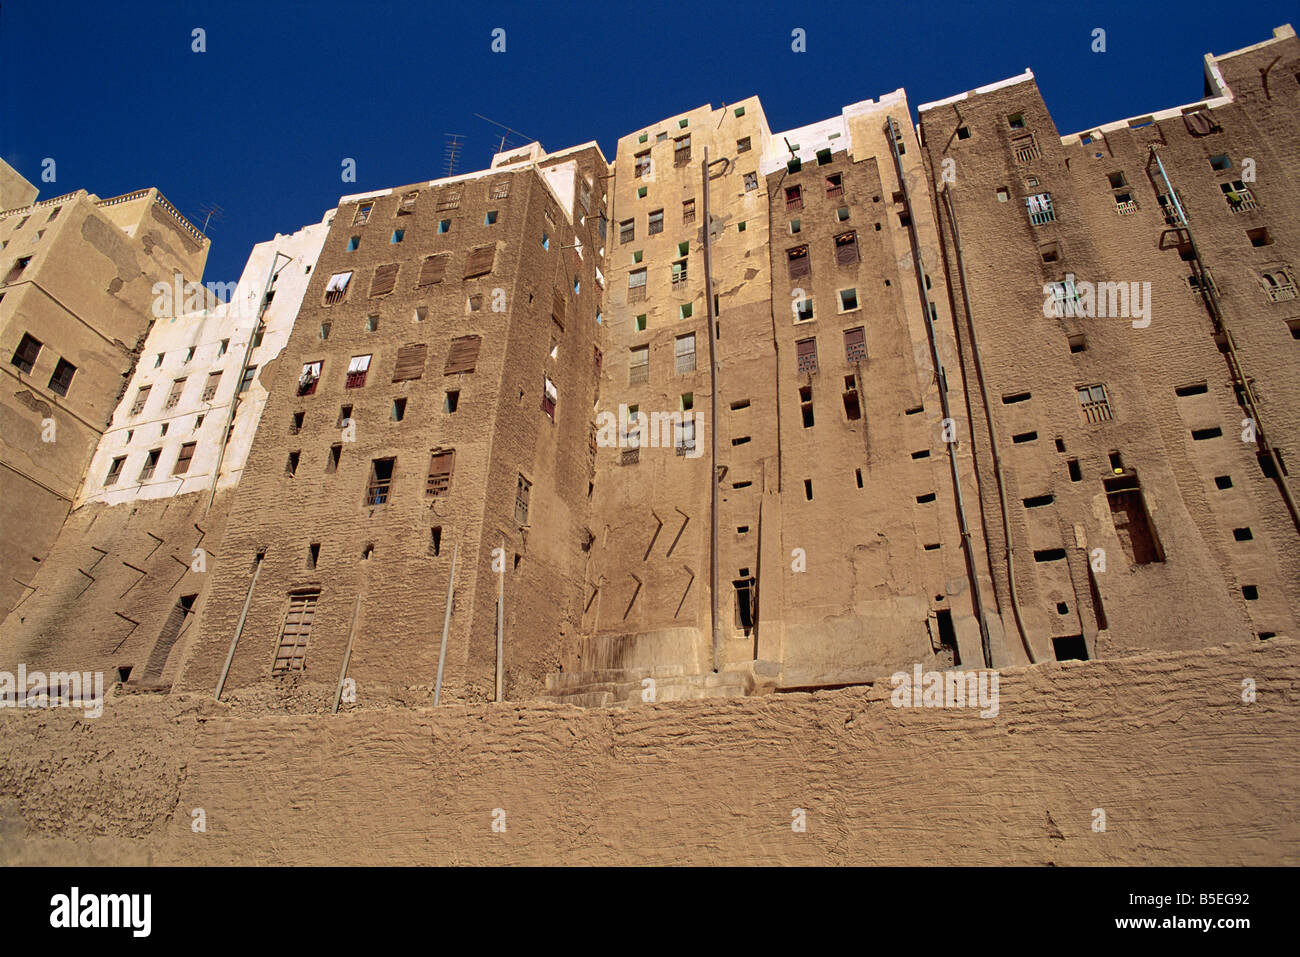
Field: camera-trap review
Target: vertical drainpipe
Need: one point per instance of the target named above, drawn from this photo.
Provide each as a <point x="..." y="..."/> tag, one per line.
<point x="714" y="624"/>
<point x="941" y="379"/>
<point x="988" y="419"/>
<point x="501" y="605"/>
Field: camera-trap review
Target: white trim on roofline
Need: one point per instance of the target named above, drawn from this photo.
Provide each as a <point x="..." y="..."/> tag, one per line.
<point x="1026" y="77"/>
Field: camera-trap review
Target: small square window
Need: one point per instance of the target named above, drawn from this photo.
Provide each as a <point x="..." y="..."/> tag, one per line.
<point x="842" y="214"/>
<point x="640" y="323"/>
<point x="451" y="400"/>
<point x="963" y="132"/>
<point x="683" y="123"/>
<point x="740" y="226"/>
<point x="444" y="225"/>
<point x="1016" y="121"/>
<point x="742" y="145"/>
<point x="687" y="401"/>
<point x="686" y="310"/>
<point x="1116" y="180"/>
<point x="372" y="323"/>
<point x="491" y="218"/>
<point x="739" y="112"/>
<point x="641" y="193"/>
<point x="1003" y="195"/>
<point x="324" y="330"/>
<point x="803" y="310"/>
<point x="1220" y="162"/>
<point x="637" y="256"/>
<point x="848" y="300"/>
<point x="751" y="181"/>
<point x="399" y="410"/>
<point x="353" y="243"/>
<point x="644" y="137"/>
<point x="1259" y="237"/>
<point x="795" y="226"/>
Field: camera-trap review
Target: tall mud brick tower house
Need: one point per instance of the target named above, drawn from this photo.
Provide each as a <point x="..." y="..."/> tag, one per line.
<point x="432" y="407"/>
<point x="1139" y="463"/>
<point x="76" y="290"/>
<point x="738" y="412"/>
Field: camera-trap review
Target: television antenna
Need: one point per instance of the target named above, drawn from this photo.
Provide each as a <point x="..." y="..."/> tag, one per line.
<point x="451" y="152"/>
<point x="211" y="211"/>
<point x="505" y="137"/>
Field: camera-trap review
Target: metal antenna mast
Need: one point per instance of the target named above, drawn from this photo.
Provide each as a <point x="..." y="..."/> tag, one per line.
<point x="504" y="137"/>
<point x="451" y="152"/>
<point x="211" y="211"/>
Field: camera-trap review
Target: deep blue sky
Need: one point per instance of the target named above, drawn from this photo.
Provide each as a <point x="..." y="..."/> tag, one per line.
<point x="260" y="123"/>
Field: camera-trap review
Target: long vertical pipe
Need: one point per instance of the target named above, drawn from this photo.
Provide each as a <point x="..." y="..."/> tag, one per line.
<point x="714" y="624"/>
<point x="446" y="624"/>
<point x="941" y="380"/>
<point x="239" y="630"/>
<point x="988" y="421"/>
<point x="501" y="605"/>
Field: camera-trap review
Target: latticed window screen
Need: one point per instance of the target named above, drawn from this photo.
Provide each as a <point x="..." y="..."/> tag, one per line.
<point x="639" y="365"/>
<point x="441" y="466"/>
<point x="1095" y="403"/>
<point x="291" y="655"/>
<point x="855" y="344"/>
<point x="141" y="398"/>
<point x="210" y="388"/>
<point x="806" y="351"/>
<point x="684" y="352"/>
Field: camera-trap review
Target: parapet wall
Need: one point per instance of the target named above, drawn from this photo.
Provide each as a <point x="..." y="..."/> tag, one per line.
<point x="1185" y="770"/>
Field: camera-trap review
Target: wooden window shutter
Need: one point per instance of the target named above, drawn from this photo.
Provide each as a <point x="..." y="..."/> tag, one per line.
<point x="806" y="352"/>
<point x="480" y="261"/>
<point x="384" y="281"/>
<point x="463" y="354"/>
<point x="855" y="344"/>
<point x="410" y="362"/>
<point x="441" y="466"/>
<point x="432" y="269"/>
<point x="846" y="248"/>
<point x="800" y="265"/>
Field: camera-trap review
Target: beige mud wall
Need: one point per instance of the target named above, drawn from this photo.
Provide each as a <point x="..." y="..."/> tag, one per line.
<point x="1186" y="772"/>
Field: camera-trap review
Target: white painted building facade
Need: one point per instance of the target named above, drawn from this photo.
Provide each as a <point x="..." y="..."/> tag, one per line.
<point x="166" y="435"/>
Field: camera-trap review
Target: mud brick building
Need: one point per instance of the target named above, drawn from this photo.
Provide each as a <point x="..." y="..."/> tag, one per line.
<point x="1126" y="433"/>
<point x="737" y="412"/>
<point x="76" y="280"/>
<point x="128" y="575"/>
<point x="433" y="405"/>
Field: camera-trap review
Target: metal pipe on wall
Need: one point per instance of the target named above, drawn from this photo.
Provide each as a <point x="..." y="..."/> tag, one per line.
<point x="941" y="380"/>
